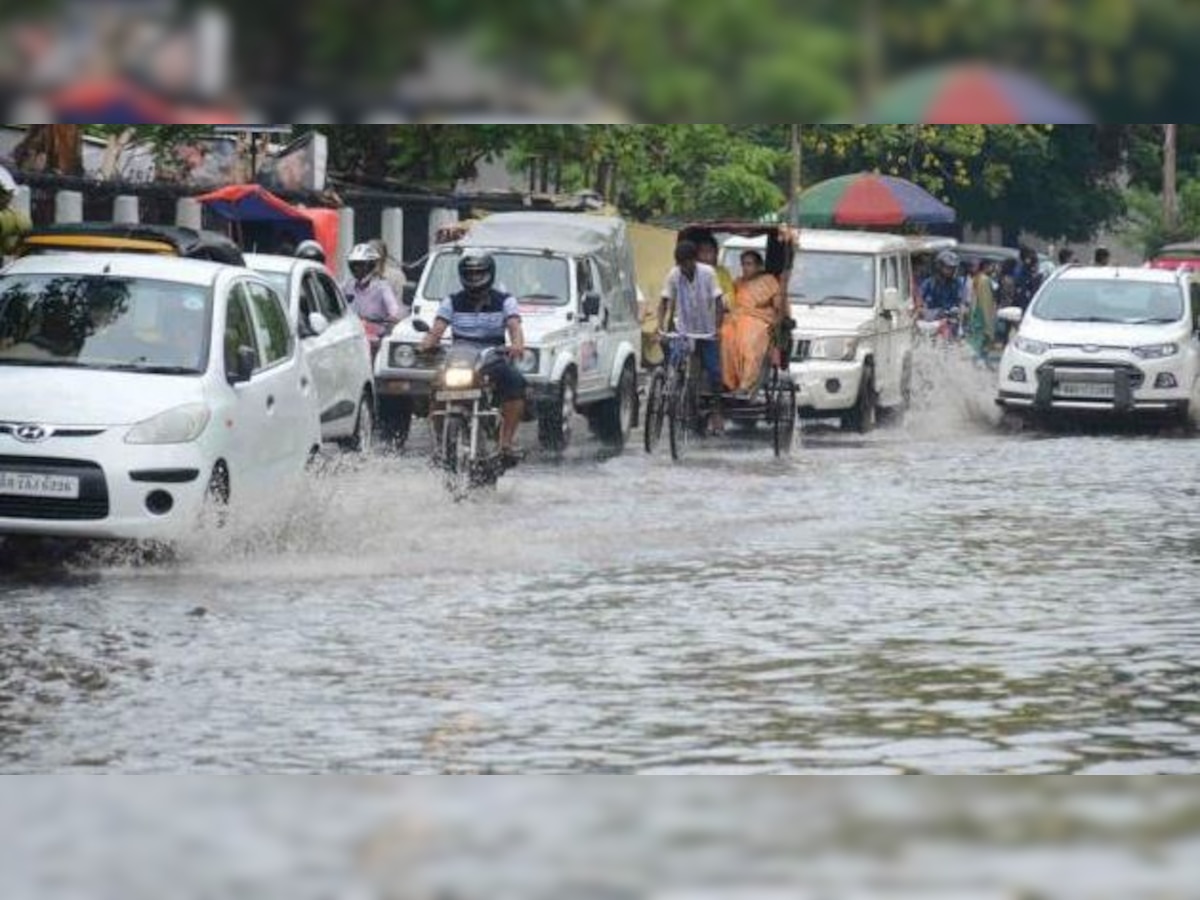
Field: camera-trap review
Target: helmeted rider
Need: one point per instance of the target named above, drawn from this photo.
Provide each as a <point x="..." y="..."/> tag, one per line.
<point x="311" y="250"/>
<point x="481" y="316"/>
<point x="369" y="295"/>
<point x="943" y="294"/>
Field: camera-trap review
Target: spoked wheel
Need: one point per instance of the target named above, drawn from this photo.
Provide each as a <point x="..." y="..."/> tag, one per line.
<point x="456" y="458"/>
<point x="656" y="411"/>
<point x="783" y="417"/>
<point x="682" y="418"/>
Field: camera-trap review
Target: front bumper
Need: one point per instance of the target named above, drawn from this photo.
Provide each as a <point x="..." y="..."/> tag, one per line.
<point x="1114" y="386"/>
<point x="826" y="385"/>
<point x="117" y="481"/>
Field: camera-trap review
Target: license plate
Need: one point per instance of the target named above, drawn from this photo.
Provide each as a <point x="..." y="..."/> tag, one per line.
<point x="395" y="387"/>
<point x="458" y="396"/>
<point x="1087" y="390"/>
<point x="26" y="484"/>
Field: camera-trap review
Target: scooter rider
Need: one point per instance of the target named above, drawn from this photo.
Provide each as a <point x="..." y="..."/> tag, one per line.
<point x="480" y="315"/>
<point x="943" y="294"/>
<point x="369" y="295"/>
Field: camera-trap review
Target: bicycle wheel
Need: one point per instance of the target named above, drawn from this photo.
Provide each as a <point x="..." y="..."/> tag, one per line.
<point x="783" y="415"/>
<point x="656" y="411"/>
<point x="682" y="414"/>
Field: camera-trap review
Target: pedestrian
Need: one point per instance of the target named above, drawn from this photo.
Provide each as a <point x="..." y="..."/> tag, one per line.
<point x="1103" y="257"/>
<point x="1066" y="256"/>
<point x="1028" y="278"/>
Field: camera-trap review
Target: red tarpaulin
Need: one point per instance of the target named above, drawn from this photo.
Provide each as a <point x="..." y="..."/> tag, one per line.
<point x="246" y="203"/>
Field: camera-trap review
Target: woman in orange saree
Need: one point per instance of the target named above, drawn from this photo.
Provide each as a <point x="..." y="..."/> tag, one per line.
<point x="754" y="311"/>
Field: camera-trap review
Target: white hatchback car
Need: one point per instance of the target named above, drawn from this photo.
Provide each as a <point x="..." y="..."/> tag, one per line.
<point x="335" y="346"/>
<point x="133" y="388"/>
<point x="1106" y="340"/>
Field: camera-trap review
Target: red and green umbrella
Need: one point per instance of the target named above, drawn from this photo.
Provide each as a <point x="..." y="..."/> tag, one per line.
<point x="973" y="95"/>
<point x="868" y="200"/>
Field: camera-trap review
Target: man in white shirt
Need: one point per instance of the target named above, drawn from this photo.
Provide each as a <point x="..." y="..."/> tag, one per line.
<point x="692" y="304"/>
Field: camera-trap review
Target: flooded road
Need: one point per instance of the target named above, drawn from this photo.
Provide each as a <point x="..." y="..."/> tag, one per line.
<point x="940" y="597"/>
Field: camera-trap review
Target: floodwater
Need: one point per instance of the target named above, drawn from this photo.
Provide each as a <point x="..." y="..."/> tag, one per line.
<point x="939" y="597"/>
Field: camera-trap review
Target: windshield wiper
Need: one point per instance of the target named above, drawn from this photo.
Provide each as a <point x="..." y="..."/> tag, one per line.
<point x="150" y="370"/>
<point x="552" y="297"/>
<point x="43" y="363"/>
<point x="1155" y="321"/>
<point x="831" y="297"/>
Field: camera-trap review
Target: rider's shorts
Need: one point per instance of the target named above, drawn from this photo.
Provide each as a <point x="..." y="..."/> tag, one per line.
<point x="508" y="382"/>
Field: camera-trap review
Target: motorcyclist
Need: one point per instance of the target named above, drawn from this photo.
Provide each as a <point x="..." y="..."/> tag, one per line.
<point x="369" y="295"/>
<point x="480" y="315"/>
<point x="943" y="294"/>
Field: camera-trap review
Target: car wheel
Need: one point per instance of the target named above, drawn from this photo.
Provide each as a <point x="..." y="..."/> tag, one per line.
<point x="554" y="418"/>
<point x="617" y="417"/>
<point x="862" y="417"/>
<point x="362" y="441"/>
<point x="395" y="421"/>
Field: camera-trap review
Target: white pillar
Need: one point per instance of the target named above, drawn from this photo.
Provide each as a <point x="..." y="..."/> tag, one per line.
<point x="438" y="219"/>
<point x="188" y="213"/>
<point x="345" y="242"/>
<point x="68" y="207"/>
<point x="392" y="232"/>
<point x="22" y="200"/>
<point x="125" y="210"/>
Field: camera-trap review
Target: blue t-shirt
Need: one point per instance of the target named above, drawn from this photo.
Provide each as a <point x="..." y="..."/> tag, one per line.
<point x="942" y="293"/>
<point x="486" y="325"/>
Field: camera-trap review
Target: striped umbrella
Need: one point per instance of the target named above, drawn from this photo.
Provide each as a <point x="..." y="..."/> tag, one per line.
<point x="973" y="95"/>
<point x="868" y="200"/>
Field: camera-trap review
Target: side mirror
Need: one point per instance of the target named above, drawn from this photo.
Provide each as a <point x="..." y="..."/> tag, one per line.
<point x="421" y="326"/>
<point x="317" y="323"/>
<point x="891" y="300"/>
<point x="244" y="364"/>
<point x="591" y="305"/>
<point x="408" y="296"/>
<point x="1013" y="315"/>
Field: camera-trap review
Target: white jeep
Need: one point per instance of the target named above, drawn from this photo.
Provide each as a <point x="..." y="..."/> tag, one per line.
<point x="574" y="278"/>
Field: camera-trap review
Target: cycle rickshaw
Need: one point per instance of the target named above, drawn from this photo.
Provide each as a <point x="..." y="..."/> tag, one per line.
<point x="679" y="402"/>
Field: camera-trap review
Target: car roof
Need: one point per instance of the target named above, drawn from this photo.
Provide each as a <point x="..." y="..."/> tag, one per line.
<point x="1115" y="273"/>
<point x="850" y="241"/>
<point x="271" y="262"/>
<point x="128" y="265"/>
<point x="187" y="242"/>
<point x="569" y="233"/>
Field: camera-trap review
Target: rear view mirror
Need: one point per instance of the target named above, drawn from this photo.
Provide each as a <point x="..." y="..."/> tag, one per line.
<point x="420" y="326"/>
<point x="245" y="362"/>
<point x="591" y="305"/>
<point x="317" y="323"/>
<point x="1011" y="314"/>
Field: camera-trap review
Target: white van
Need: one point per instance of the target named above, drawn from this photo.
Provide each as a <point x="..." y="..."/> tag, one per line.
<point x="851" y="299"/>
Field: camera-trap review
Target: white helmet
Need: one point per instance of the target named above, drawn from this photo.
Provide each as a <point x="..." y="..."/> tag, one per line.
<point x="310" y="249"/>
<point x="363" y="261"/>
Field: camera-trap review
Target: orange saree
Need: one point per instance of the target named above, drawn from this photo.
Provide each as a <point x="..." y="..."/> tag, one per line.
<point x="746" y="332"/>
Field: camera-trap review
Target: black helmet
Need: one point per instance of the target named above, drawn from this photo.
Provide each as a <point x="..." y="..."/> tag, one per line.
<point x="477" y="272"/>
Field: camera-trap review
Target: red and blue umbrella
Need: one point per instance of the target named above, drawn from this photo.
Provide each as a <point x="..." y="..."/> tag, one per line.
<point x="868" y="200"/>
<point x="973" y="95"/>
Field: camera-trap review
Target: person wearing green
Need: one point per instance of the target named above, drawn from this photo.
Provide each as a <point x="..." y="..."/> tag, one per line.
<point x="14" y="224"/>
<point x="982" y="328"/>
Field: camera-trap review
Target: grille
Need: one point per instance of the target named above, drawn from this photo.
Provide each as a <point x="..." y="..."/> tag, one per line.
<point x="1090" y="371"/>
<point x="92" y="504"/>
<point x="11" y="429"/>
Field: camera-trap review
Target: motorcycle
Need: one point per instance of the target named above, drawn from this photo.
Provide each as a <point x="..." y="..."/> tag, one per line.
<point x="944" y="325"/>
<point x="465" y="420"/>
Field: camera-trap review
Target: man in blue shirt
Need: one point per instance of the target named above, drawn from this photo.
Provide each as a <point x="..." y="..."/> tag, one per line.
<point x="943" y="292"/>
<point x="482" y="316"/>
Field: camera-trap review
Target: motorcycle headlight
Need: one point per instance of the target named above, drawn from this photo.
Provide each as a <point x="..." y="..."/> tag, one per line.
<point x="528" y="363"/>
<point x="1033" y="348"/>
<point x="404" y="356"/>
<point x="838" y="348"/>
<point x="458" y="378"/>
<point x="181" y="425"/>
<point x="1156" y="351"/>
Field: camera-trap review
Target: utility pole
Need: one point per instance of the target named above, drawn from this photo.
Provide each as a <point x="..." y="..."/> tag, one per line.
<point x="1170" y="187"/>
<point x="797" y="174"/>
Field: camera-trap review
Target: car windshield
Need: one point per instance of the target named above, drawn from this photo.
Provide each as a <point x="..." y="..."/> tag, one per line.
<point x="822" y="278"/>
<point x="535" y="279"/>
<point x="1110" y="300"/>
<point x="103" y="322"/>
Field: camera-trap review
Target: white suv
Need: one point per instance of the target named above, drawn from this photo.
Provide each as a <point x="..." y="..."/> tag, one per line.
<point x="1105" y="340"/>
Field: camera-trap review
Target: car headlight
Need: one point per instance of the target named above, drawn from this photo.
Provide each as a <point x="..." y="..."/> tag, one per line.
<point x="528" y="363"/>
<point x="181" y="425"/>
<point x="840" y="348"/>
<point x="1156" y="351"/>
<point x="1033" y="348"/>
<point x="458" y="378"/>
<point x="404" y="356"/>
